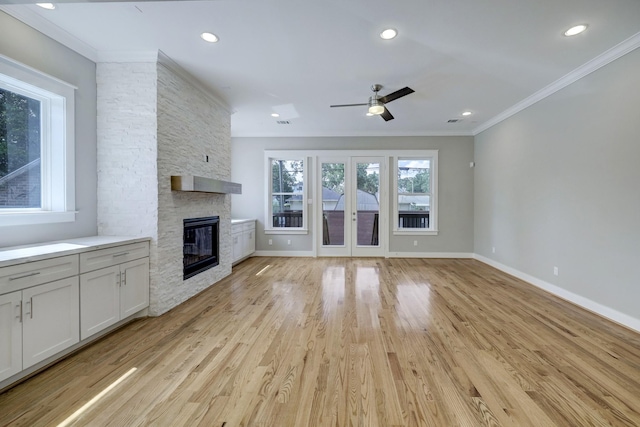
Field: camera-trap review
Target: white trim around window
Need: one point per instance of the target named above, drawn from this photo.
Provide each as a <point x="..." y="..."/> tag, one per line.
<point x="432" y="229"/>
<point x="287" y="156"/>
<point x="57" y="144"/>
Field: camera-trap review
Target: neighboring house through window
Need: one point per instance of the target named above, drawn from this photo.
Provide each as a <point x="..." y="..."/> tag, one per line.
<point x="415" y="201"/>
<point x="287" y="195"/>
<point x="36" y="147"/>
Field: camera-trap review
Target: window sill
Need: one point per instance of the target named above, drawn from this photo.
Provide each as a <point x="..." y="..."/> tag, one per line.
<point x="286" y="231"/>
<point x="415" y="232"/>
<point x="40" y="217"/>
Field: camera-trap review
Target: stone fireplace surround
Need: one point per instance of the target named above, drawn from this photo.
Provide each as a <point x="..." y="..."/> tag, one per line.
<point x="154" y="121"/>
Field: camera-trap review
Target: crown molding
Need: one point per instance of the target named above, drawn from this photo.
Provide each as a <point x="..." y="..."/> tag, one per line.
<point x="127" y="56"/>
<point x="312" y="134"/>
<point x="24" y="14"/>
<point x="596" y="63"/>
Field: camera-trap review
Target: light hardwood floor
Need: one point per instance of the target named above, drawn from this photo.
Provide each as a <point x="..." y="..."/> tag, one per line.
<point x="350" y="342"/>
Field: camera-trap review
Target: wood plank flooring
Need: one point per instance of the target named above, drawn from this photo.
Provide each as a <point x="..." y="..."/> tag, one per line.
<point x="350" y="342"/>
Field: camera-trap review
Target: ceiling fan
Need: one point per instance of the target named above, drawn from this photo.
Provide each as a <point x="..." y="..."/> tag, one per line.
<point x="377" y="103"/>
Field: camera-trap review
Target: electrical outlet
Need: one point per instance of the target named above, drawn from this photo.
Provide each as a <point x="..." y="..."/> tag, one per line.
<point x="493" y="250"/>
<point x="555" y="271"/>
<point x="415" y="243"/>
<point x="288" y="242"/>
<point x="270" y="242"/>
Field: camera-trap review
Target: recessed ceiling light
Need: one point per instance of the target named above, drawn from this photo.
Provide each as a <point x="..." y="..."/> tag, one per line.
<point x="209" y="37"/>
<point x="575" y="30"/>
<point x="388" y="34"/>
<point x="275" y="115"/>
<point x="49" y="6"/>
<point x="467" y="113"/>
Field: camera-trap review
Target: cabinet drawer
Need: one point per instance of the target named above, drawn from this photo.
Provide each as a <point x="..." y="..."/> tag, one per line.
<point x="29" y="274"/>
<point x="103" y="258"/>
<point x="248" y="226"/>
<point x="236" y="228"/>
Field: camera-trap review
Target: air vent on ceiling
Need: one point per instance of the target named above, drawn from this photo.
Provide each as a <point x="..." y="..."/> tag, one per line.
<point x="283" y="122"/>
<point x="454" y="120"/>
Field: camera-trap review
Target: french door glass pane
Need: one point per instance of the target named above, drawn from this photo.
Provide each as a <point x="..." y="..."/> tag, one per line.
<point x="333" y="204"/>
<point x="368" y="203"/>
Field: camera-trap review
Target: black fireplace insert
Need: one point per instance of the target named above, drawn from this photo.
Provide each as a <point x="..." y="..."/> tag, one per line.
<point x="201" y="245"/>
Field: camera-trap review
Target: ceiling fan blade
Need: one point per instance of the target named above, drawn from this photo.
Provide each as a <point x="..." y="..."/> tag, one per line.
<point x="386" y="115"/>
<point x="348" y="105"/>
<point x="395" y="95"/>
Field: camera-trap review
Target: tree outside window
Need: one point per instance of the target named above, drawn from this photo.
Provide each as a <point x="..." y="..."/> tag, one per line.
<point x="20" y="146"/>
<point x="287" y="193"/>
<point x="414" y="193"/>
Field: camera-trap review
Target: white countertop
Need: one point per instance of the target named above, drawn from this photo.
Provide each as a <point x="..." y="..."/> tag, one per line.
<point x="20" y="254"/>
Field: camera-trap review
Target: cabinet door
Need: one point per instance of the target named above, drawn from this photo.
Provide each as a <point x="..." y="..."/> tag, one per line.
<point x="10" y="335"/>
<point x="249" y="237"/>
<point x="51" y="319"/>
<point x="134" y="290"/>
<point x="238" y="246"/>
<point x="99" y="300"/>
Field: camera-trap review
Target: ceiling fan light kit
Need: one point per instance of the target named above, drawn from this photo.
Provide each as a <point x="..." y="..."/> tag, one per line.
<point x="375" y="107"/>
<point x="377" y="103"/>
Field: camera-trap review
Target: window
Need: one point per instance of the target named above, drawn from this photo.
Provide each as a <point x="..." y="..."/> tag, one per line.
<point x="36" y="147"/>
<point x="415" y="199"/>
<point x="287" y="195"/>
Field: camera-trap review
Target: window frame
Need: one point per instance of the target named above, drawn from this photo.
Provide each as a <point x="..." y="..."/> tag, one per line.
<point x="432" y="156"/>
<point x="57" y="150"/>
<point x="270" y="156"/>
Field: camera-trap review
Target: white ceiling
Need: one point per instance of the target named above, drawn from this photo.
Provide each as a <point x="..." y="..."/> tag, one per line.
<point x="298" y="57"/>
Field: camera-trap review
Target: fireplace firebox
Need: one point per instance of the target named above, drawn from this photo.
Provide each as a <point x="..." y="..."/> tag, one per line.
<point x="201" y="245"/>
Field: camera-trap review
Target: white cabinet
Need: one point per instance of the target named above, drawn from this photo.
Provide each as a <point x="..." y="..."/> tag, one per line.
<point x="108" y="295"/>
<point x="50" y="319"/>
<point x="20" y="276"/>
<point x="10" y="334"/>
<point x="134" y="289"/>
<point x="99" y="300"/>
<point x="56" y="294"/>
<point x="244" y="239"/>
<point x="37" y="323"/>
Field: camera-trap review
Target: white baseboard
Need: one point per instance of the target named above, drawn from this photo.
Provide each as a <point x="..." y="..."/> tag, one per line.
<point x="284" y="253"/>
<point x="430" y="255"/>
<point x="587" y="304"/>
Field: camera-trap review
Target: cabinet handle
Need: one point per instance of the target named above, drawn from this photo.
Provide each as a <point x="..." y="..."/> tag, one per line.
<point x="30" y="312"/>
<point x="19" y="308"/>
<point x="121" y="254"/>
<point x="35" y="273"/>
<point x="123" y="276"/>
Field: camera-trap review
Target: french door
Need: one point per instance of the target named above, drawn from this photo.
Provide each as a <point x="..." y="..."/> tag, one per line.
<point x="353" y="206"/>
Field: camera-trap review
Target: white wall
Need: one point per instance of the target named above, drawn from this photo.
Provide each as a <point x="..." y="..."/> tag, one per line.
<point x="558" y="185"/>
<point x="154" y="123"/>
<point x="26" y="45"/>
<point x="190" y="125"/>
<point x="455" y="179"/>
